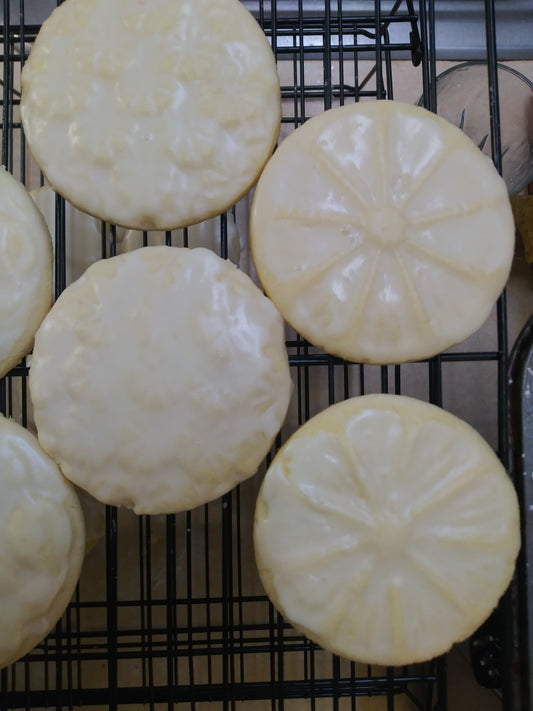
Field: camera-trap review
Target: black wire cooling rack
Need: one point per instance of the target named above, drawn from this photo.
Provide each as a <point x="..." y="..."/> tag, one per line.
<point x="169" y="612"/>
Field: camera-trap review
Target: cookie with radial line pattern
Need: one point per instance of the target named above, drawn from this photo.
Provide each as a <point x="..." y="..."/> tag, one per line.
<point x="382" y="233"/>
<point x="386" y="530"/>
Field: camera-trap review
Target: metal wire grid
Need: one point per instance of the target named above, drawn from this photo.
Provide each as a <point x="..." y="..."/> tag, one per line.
<point x="169" y="612"/>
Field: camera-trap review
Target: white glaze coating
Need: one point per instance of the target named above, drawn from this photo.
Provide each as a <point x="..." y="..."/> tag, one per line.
<point x="42" y="542"/>
<point x="381" y="232"/>
<point x="386" y="529"/>
<point x="160" y="378"/>
<point x="164" y="114"/>
<point x="25" y="271"/>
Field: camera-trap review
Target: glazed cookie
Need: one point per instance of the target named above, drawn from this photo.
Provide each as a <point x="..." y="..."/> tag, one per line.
<point x="386" y="530"/>
<point x="25" y="271"/>
<point x="42" y="542"/>
<point x="381" y="232"/>
<point x="164" y="115"/>
<point x="160" y="378"/>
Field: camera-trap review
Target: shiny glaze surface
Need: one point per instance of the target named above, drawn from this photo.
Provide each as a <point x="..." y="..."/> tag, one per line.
<point x="164" y="113"/>
<point x="160" y="378"/>
<point x="25" y="271"/>
<point x="386" y="529"/>
<point x="42" y="542"/>
<point x="381" y="232"/>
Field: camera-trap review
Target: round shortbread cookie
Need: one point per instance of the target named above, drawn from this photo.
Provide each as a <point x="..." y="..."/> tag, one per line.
<point x="164" y="114"/>
<point x="42" y="542"/>
<point x="25" y="271"/>
<point x="160" y="378"/>
<point x="386" y="530"/>
<point x="381" y="232"/>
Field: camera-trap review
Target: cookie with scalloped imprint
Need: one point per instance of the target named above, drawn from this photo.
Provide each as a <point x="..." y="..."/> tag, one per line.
<point x="25" y="271"/>
<point x="164" y="114"/>
<point x="381" y="232"/>
<point x="386" y="530"/>
<point x="42" y="542"/>
<point x="160" y="378"/>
